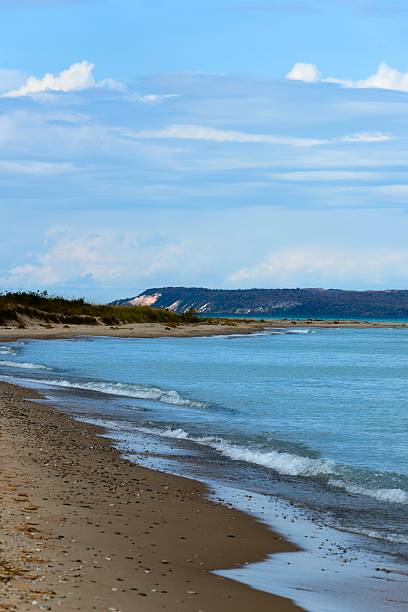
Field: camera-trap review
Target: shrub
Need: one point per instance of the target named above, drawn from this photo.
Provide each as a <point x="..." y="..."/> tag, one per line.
<point x="54" y="309"/>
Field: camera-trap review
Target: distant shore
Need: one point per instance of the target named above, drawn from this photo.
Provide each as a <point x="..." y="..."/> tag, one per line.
<point x="212" y="327"/>
<point x="83" y="529"/>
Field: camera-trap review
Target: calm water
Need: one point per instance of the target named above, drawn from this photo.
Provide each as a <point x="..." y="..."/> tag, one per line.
<point x="279" y="316"/>
<point x="318" y="418"/>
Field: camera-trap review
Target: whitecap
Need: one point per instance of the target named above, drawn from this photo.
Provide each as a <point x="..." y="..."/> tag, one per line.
<point x="176" y="433"/>
<point x="6" y="350"/>
<point x="393" y="496"/>
<point x="283" y="463"/>
<point x="144" y="392"/>
<point x="23" y="365"/>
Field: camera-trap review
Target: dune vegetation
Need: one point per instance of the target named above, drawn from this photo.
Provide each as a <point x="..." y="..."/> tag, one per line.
<point x="21" y="308"/>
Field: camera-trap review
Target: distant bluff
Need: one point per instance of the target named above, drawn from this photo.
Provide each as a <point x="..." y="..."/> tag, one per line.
<point x="312" y="303"/>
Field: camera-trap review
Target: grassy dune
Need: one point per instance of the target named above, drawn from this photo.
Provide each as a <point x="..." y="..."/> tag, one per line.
<point x="24" y="307"/>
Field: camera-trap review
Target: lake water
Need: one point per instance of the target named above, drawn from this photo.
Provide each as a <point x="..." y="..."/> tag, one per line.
<point x="318" y="418"/>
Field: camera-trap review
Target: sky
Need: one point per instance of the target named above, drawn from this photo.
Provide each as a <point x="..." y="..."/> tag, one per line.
<point x="227" y="143"/>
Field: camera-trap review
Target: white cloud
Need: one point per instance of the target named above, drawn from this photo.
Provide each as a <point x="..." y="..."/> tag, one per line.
<point x="308" y="73"/>
<point x="111" y="84"/>
<point x="104" y="256"/>
<point x="77" y="77"/>
<point x="368" y="137"/>
<point x="328" y="267"/>
<point x="385" y="78"/>
<point x="199" y="132"/>
<point x="151" y="98"/>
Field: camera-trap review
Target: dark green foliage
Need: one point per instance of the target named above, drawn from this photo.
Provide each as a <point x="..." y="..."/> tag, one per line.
<point x="55" y="309"/>
<point x="284" y="303"/>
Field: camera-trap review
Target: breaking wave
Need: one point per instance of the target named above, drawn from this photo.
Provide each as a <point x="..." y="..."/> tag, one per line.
<point x="300" y="331"/>
<point x="129" y="390"/>
<point x="23" y="365"/>
<point x="283" y="463"/>
<point x="6" y="350"/>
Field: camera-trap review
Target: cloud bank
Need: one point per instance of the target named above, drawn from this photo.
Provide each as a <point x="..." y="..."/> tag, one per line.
<point x="223" y="170"/>
<point x="311" y="266"/>
<point x="77" y="77"/>
<point x="104" y="256"/>
<point x="385" y="78"/>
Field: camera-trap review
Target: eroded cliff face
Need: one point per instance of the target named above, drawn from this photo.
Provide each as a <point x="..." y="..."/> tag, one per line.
<point x="144" y="300"/>
<point x="312" y="302"/>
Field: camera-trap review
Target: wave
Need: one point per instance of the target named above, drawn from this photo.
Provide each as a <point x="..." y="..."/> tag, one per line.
<point x="6" y="350"/>
<point x="283" y="463"/>
<point x="394" y="496"/>
<point x="168" y="432"/>
<point x="23" y="365"/>
<point x="277" y="331"/>
<point x="129" y="390"/>
<point x="247" y="336"/>
<point x="395" y="538"/>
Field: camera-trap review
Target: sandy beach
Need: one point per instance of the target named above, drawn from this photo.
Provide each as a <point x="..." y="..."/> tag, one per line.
<point x="212" y="327"/>
<point x="82" y="529"/>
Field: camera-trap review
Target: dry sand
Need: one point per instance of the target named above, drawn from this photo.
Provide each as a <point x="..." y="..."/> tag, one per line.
<point x="82" y="529"/>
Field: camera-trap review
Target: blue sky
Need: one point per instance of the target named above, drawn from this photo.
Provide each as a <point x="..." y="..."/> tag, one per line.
<point x="223" y="144"/>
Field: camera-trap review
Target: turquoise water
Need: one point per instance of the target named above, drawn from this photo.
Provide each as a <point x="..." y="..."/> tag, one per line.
<point x="319" y="418"/>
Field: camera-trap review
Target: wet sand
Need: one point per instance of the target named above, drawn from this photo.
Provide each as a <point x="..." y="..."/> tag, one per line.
<point x="213" y="327"/>
<point x="82" y="529"/>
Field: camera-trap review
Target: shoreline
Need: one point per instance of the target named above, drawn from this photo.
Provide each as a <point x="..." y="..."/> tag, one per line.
<point x="159" y="330"/>
<point x="84" y="529"/>
<point x="284" y="575"/>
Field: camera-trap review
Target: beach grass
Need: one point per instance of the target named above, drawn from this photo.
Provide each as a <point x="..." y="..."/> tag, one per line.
<point x="18" y="307"/>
